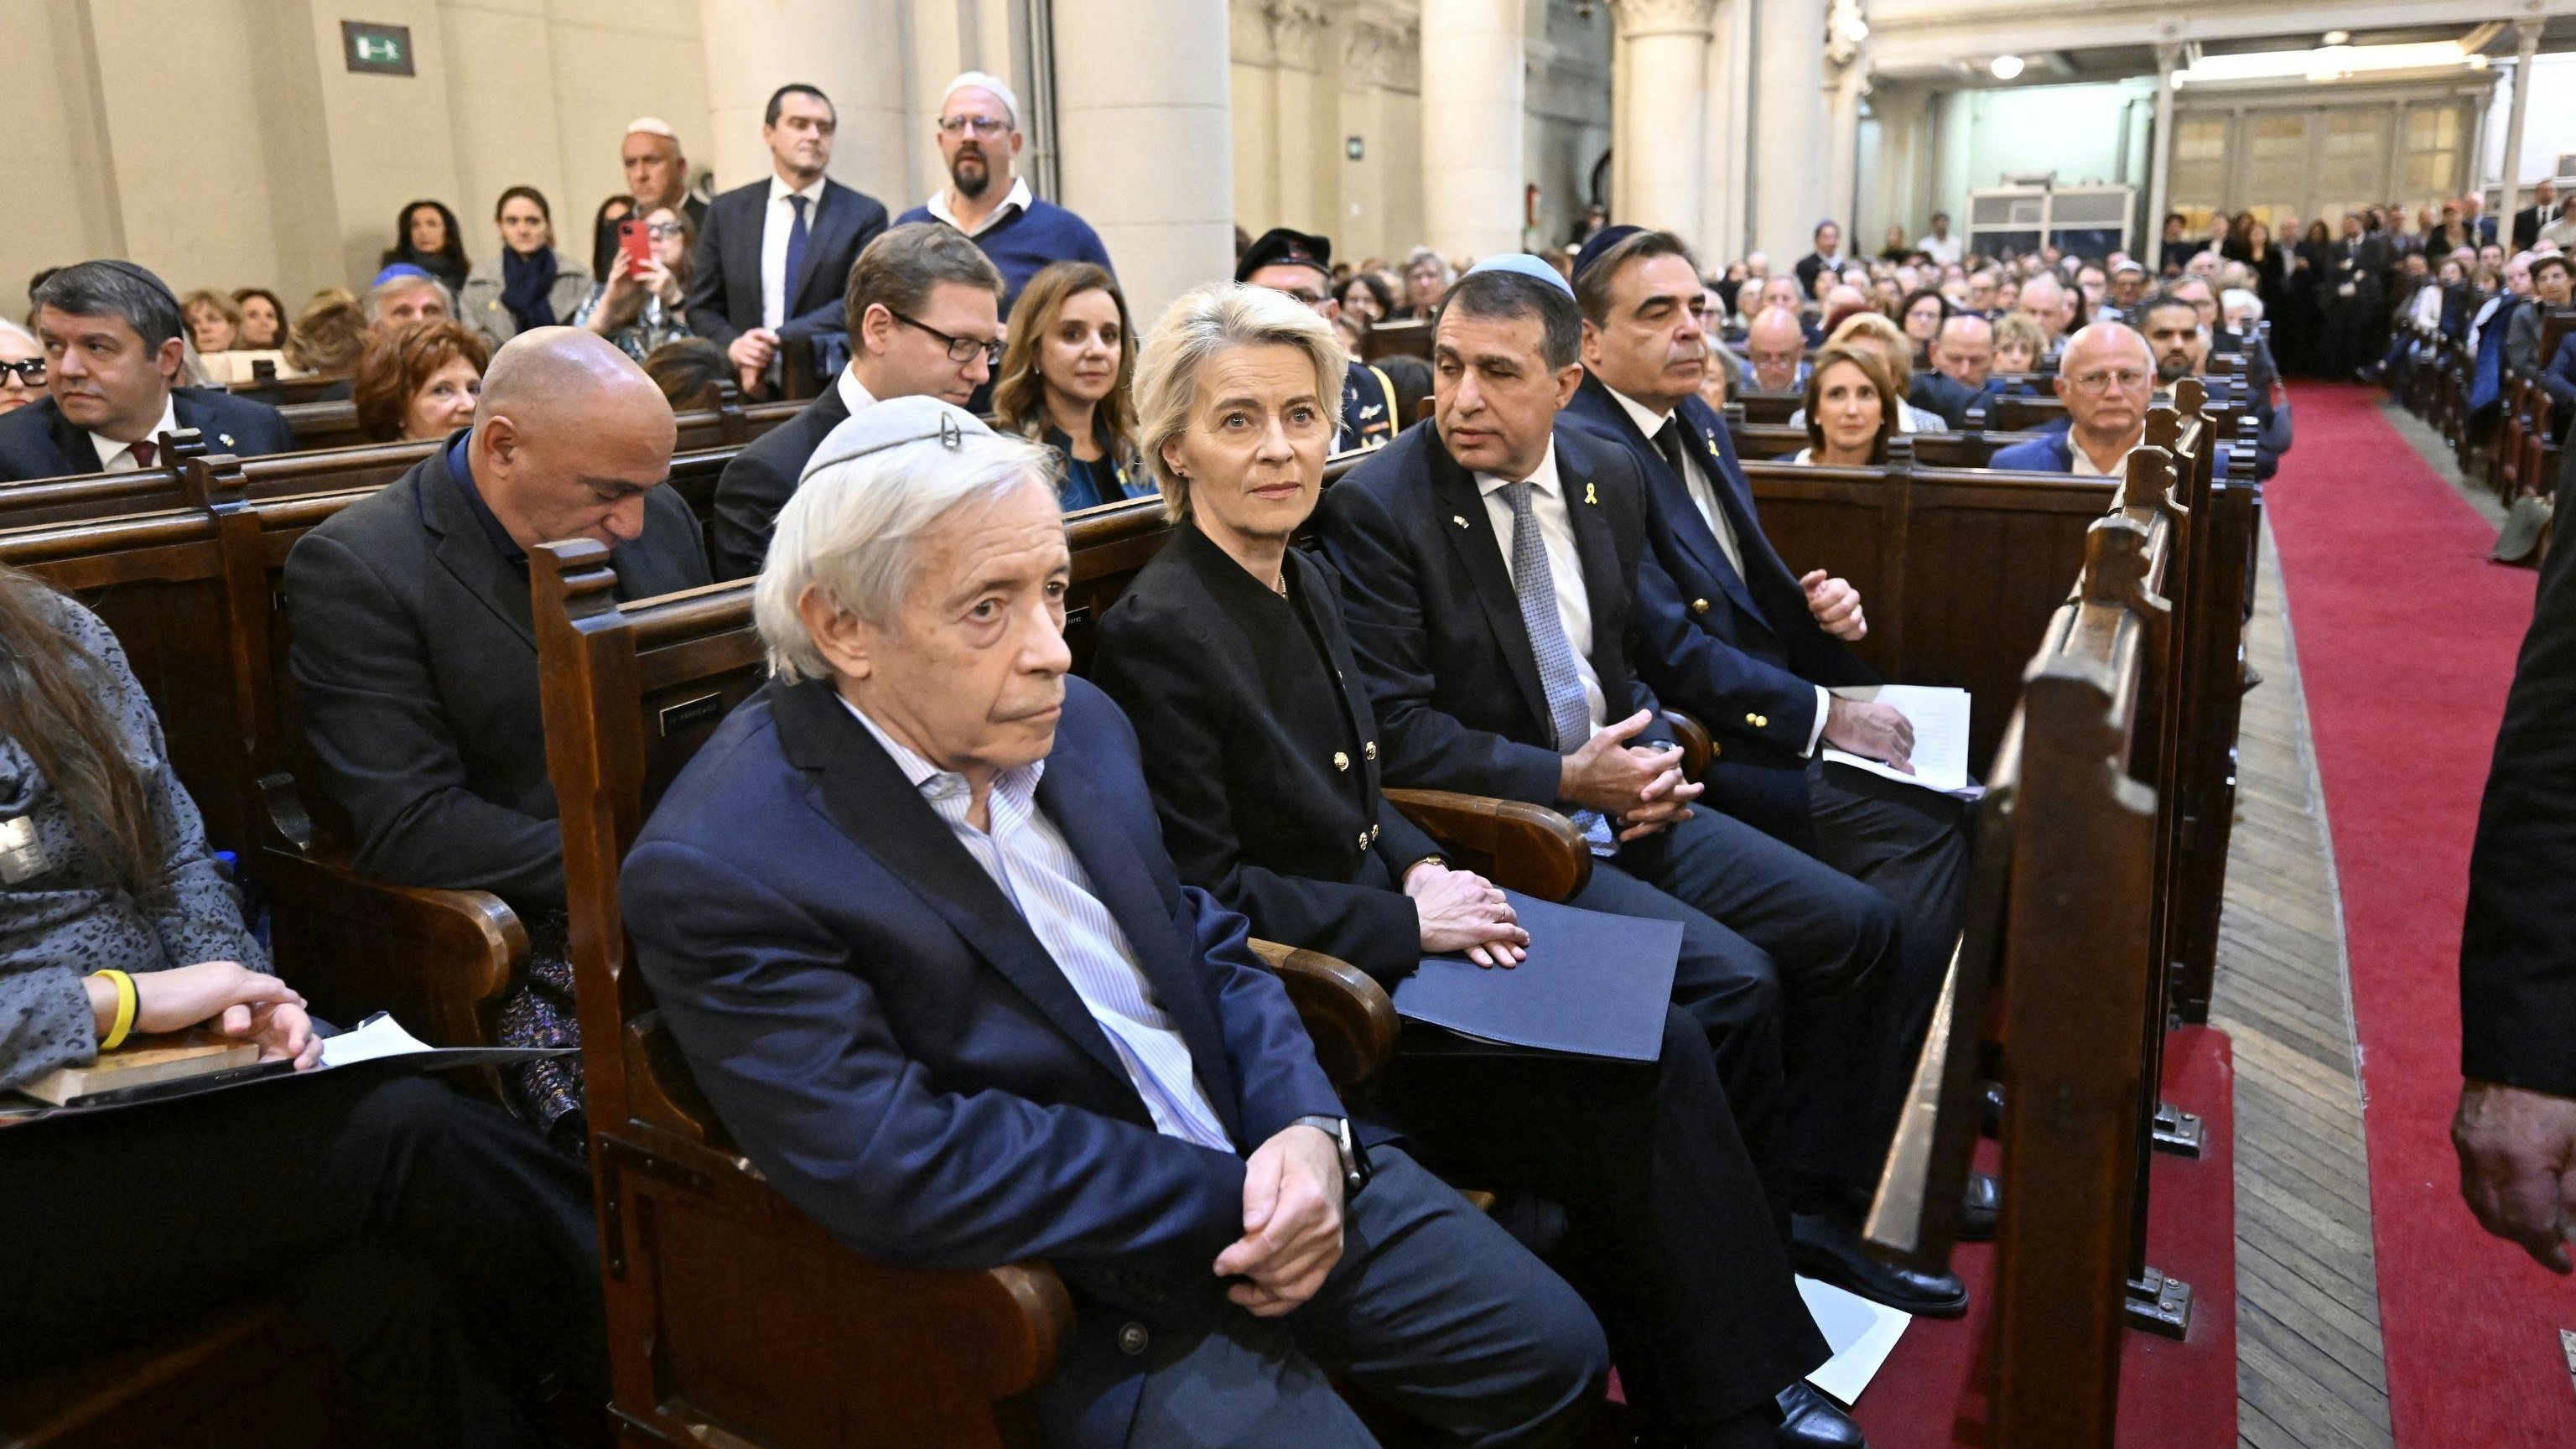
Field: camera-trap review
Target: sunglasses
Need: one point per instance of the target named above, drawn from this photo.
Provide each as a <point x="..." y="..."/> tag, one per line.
<point x="30" y="372"/>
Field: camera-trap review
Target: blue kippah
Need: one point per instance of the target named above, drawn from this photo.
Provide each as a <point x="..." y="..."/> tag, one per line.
<point x="1527" y="266"/>
<point x="400" y="270"/>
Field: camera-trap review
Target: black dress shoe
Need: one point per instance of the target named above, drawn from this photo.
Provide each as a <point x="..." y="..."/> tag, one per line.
<point x="1810" y="1420"/>
<point x="1830" y="1251"/>
<point x="1977" y="1207"/>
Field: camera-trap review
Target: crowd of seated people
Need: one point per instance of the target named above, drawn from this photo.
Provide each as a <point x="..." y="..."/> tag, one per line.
<point x="1500" y="599"/>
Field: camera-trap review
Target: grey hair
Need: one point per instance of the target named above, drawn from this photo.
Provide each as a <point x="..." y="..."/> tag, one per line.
<point x="1419" y="255"/>
<point x="852" y="528"/>
<point x="1200" y="324"/>
<point x="392" y="287"/>
<point x="12" y="329"/>
<point x="115" y="289"/>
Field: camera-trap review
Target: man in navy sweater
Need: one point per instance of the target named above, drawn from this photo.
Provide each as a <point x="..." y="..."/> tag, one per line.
<point x="979" y="138"/>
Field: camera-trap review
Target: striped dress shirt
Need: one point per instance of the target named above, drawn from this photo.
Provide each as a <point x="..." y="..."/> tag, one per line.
<point x="1027" y="857"/>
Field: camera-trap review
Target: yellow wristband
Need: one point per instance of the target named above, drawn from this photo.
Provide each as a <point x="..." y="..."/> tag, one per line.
<point x="126" y="1002"/>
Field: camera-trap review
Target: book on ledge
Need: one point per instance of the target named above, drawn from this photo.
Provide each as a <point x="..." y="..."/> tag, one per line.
<point x="195" y="1062"/>
<point x="1593" y="985"/>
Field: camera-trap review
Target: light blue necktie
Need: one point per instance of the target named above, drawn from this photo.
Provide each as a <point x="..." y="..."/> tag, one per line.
<point x="1536" y="588"/>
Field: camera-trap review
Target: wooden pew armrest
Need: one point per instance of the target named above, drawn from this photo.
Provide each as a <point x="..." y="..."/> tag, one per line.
<point x="1527" y="848"/>
<point x="439" y="960"/>
<point x="1350" y="1017"/>
<point x="1699" y="748"/>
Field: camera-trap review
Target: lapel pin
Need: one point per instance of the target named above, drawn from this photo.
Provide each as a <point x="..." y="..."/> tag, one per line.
<point x="1459" y="519"/>
<point x="1589" y="496"/>
<point x="227" y="439"/>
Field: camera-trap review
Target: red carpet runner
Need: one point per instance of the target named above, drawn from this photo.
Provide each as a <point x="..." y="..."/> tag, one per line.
<point x="2406" y="639"/>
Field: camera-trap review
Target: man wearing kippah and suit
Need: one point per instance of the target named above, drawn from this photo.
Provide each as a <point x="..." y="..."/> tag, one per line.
<point x="1302" y="266"/>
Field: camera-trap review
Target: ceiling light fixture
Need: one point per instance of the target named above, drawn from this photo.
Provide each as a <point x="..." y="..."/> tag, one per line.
<point x="2326" y="63"/>
<point x="2006" y="67"/>
<point x="2338" y="37"/>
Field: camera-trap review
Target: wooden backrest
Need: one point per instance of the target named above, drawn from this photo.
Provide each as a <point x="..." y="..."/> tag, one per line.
<point x="282" y="391"/>
<point x="1778" y="442"/>
<point x="323" y="424"/>
<point x="2017" y="414"/>
<point x="1767" y="407"/>
<point x="1407" y="338"/>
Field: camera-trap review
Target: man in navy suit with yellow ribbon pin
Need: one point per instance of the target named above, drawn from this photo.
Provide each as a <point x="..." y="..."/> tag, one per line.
<point x="1302" y="266"/>
<point x="1728" y="632"/>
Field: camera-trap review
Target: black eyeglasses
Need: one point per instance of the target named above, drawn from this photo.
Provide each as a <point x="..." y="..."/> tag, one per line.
<point x="30" y="372"/>
<point x="960" y="349"/>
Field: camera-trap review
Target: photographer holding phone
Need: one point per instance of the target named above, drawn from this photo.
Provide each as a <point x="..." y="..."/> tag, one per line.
<point x="638" y="307"/>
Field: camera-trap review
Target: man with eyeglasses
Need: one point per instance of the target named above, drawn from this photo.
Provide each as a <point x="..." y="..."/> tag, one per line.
<point x="1302" y="266"/>
<point x="2106" y="380"/>
<point x="986" y="198"/>
<point x="924" y="317"/>
<point x="774" y="256"/>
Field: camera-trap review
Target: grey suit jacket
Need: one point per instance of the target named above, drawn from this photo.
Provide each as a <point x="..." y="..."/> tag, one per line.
<point x="415" y="663"/>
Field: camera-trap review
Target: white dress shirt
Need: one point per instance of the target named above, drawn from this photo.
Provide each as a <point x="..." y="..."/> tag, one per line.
<point x="774" y="227"/>
<point x="1564" y="565"/>
<point x="1942" y="249"/>
<point x="1019" y="198"/>
<point x="854" y="396"/>
<point x="1703" y="494"/>
<point x="1039" y="874"/>
<point x="2083" y="461"/>
<point x="118" y="457"/>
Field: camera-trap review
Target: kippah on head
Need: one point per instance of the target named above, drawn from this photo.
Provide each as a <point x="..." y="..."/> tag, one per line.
<point x="1527" y="266"/>
<point x="893" y="424"/>
<point x="1602" y="241"/>
<point x="650" y="126"/>
<point x="977" y="80"/>
<point x="400" y="271"/>
<point x="1285" y="247"/>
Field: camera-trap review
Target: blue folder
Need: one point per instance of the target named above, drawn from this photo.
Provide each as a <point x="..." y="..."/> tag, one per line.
<point x="1594" y="985"/>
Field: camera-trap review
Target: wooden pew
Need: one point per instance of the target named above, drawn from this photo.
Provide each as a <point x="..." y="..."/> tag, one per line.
<point x="316" y="425"/>
<point x="281" y="391"/>
<point x="1779" y="442"/>
<point x="2058" y="936"/>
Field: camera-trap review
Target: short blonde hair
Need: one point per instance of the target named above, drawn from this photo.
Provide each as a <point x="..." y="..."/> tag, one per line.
<point x="1202" y="323"/>
<point x="2015" y="329"/>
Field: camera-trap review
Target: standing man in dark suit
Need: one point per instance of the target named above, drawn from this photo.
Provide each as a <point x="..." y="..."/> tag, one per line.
<point x="415" y="654"/>
<point x="1827" y="255"/>
<point x="924" y="317"/>
<point x="2536" y="218"/>
<point x="774" y="256"/>
<point x="2516" y="1126"/>
<point x="1490" y="566"/>
<point x="112" y="335"/>
<point x="910" y="920"/>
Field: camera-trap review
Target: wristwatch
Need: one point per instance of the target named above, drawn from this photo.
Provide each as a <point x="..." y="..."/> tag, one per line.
<point x="1355" y="1163"/>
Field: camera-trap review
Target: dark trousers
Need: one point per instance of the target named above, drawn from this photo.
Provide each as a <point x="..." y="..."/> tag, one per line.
<point x="445" y="1253"/>
<point x="1784" y="961"/>
<point x="1432" y="1312"/>
<point x="1913" y="847"/>
<point x="1668" y="1229"/>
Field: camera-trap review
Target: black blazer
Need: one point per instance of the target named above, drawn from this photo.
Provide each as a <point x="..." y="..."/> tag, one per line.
<point x="2518" y="948"/>
<point x="1262" y="751"/>
<point x="760" y="480"/>
<point x="1437" y="629"/>
<point x="37" y="441"/>
<point x="724" y="291"/>
<point x="415" y="660"/>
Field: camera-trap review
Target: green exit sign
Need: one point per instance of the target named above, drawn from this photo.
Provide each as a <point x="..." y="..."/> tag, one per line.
<point x="376" y="49"/>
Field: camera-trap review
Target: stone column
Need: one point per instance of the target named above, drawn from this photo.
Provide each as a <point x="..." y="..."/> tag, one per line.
<point x="1788" y="128"/>
<point x="852" y="53"/>
<point x="2528" y="33"/>
<point x="1143" y="117"/>
<point x="1842" y="156"/>
<point x="2150" y="250"/>
<point x="1306" y="103"/>
<point x="1472" y="91"/>
<point x="1659" y="126"/>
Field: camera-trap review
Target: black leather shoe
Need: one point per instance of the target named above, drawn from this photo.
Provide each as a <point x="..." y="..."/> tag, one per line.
<point x="1977" y="1207"/>
<point x="1810" y="1420"/>
<point x="1831" y="1252"/>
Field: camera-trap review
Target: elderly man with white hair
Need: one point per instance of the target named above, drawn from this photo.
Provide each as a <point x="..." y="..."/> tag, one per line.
<point x="657" y="170"/>
<point x="910" y="919"/>
<point x="986" y="198"/>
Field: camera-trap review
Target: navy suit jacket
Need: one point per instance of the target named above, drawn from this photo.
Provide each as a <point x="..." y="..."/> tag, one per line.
<point x="37" y="441"/>
<point x="891" y="1045"/>
<point x="2560" y="379"/>
<point x="724" y="292"/>
<point x="1730" y="649"/>
<point x="1436" y="626"/>
<point x="2056" y="454"/>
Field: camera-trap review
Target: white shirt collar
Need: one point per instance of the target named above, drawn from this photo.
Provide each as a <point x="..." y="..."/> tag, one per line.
<point x="854" y="394"/>
<point x="1019" y="196"/>
<point x="110" y="451"/>
<point x="1648" y="421"/>
<point x="933" y="782"/>
<point x="1543" y="476"/>
<point x="2082" y="462"/>
<point x="779" y="191"/>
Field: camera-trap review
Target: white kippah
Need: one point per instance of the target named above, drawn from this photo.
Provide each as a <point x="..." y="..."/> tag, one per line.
<point x="895" y="423"/>
<point x="977" y="80"/>
<point x="651" y="126"/>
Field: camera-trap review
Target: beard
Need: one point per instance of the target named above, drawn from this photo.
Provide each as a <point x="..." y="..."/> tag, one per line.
<point x="969" y="173"/>
<point x="2173" y="369"/>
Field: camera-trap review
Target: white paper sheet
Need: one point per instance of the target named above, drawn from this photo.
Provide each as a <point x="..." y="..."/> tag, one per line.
<point x="1940" y="720"/>
<point x="378" y="1036"/>
<point x="1861" y="1334"/>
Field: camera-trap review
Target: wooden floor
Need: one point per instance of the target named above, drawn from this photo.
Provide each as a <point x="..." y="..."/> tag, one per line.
<point x="2309" y="1366"/>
